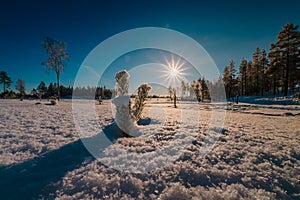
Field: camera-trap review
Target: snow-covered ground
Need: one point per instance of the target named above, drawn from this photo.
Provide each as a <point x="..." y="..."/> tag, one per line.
<point x="255" y="155"/>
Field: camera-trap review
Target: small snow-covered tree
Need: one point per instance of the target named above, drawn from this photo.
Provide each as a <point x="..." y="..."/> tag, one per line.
<point x="123" y="116"/>
<point x="126" y="117"/>
<point x="122" y="84"/>
<point x="140" y="99"/>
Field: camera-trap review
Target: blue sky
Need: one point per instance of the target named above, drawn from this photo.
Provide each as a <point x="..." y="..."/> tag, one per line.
<point x="226" y="29"/>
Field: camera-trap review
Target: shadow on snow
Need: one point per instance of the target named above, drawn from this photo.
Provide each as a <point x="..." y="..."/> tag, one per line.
<point x="29" y="179"/>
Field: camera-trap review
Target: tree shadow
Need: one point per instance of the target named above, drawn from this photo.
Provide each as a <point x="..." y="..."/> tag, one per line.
<point x="27" y="180"/>
<point x="113" y="132"/>
<point x="144" y="121"/>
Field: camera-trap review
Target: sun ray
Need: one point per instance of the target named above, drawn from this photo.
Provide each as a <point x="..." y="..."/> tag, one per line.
<point x="173" y="71"/>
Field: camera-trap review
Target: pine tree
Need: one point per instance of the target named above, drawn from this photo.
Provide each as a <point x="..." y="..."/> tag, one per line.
<point x="243" y="76"/>
<point x="51" y="90"/>
<point x="20" y="86"/>
<point x="273" y="70"/>
<point x="140" y="99"/>
<point x="229" y="79"/>
<point x="204" y="89"/>
<point x="5" y="80"/>
<point x="264" y="62"/>
<point x="256" y="69"/>
<point x="250" y="72"/>
<point x="285" y="53"/>
<point x="42" y="89"/>
<point x="226" y="80"/>
<point x="233" y="80"/>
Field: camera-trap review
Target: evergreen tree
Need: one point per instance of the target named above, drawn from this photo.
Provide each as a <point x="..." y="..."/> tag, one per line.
<point x="20" y="86"/>
<point x="51" y="90"/>
<point x="256" y="70"/>
<point x="273" y="70"/>
<point x="226" y="80"/>
<point x="285" y="53"/>
<point x="5" y="80"/>
<point x="140" y="98"/>
<point x="229" y="79"/>
<point x="233" y="80"/>
<point x="249" y="78"/>
<point x="263" y="62"/>
<point x="42" y="89"/>
<point x="204" y="89"/>
<point x="242" y="76"/>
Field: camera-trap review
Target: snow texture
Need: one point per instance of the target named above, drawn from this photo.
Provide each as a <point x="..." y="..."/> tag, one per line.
<point x="255" y="155"/>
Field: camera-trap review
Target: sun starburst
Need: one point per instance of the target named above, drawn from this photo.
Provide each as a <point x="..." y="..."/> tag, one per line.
<point x="173" y="70"/>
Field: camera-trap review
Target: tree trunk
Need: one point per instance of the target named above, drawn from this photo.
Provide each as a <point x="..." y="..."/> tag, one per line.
<point x="274" y="86"/>
<point x="257" y="87"/>
<point x="58" y="87"/>
<point x="286" y="81"/>
<point x="287" y="75"/>
<point x="262" y="86"/>
<point x="245" y="89"/>
<point x="175" y="99"/>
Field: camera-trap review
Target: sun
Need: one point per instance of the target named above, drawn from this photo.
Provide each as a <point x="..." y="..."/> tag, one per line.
<point x="173" y="70"/>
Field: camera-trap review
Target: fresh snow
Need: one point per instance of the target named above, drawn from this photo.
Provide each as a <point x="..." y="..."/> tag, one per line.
<point x="255" y="155"/>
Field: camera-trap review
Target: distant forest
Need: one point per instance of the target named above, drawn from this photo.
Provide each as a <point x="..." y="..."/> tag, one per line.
<point x="43" y="91"/>
<point x="276" y="73"/>
<point x="272" y="73"/>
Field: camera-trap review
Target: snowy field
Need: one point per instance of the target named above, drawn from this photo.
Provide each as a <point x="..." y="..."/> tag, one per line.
<point x="255" y="155"/>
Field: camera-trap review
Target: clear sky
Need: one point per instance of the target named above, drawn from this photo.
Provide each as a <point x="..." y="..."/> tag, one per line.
<point x="226" y="29"/>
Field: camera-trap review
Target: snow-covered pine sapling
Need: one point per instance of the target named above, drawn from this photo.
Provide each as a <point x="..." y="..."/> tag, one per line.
<point x="140" y="99"/>
<point x="123" y="116"/>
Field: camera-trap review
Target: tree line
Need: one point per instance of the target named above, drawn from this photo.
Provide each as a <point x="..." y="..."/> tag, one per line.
<point x="199" y="90"/>
<point x="50" y="91"/>
<point x="47" y="92"/>
<point x="6" y="81"/>
<point x="274" y="73"/>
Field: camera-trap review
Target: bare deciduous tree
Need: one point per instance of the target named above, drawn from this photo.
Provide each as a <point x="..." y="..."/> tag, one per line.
<point x="56" y="57"/>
